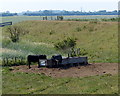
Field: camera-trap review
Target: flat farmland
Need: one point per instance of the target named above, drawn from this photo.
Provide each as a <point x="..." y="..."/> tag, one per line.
<point x="16" y="19"/>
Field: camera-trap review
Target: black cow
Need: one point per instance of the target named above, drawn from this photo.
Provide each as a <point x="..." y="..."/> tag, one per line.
<point x="35" y="58"/>
<point x="56" y="60"/>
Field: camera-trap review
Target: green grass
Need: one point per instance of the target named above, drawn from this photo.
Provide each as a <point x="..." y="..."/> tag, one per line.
<point x="0" y="77"/>
<point x="25" y="48"/>
<point x="22" y="49"/>
<point x="98" y="39"/>
<point x="116" y="19"/>
<point x="30" y="83"/>
<point x="16" y="19"/>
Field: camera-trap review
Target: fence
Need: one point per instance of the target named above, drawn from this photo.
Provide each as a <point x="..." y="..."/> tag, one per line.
<point x="74" y="52"/>
<point x="5" y="24"/>
<point x="6" y="61"/>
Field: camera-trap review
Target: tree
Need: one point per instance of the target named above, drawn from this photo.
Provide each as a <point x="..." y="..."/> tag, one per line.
<point x="15" y="32"/>
<point x="59" y="17"/>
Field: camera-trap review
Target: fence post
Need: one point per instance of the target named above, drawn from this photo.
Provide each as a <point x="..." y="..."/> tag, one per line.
<point x="78" y="51"/>
<point x="51" y="18"/>
<point x="3" y="61"/>
<point x="15" y="59"/>
<point x="7" y="61"/>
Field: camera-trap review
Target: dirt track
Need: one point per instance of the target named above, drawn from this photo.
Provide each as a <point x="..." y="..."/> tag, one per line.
<point x="78" y="71"/>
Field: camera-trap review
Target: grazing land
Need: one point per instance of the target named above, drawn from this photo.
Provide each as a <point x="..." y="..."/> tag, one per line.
<point x="32" y="83"/>
<point x="16" y="19"/>
<point x="97" y="40"/>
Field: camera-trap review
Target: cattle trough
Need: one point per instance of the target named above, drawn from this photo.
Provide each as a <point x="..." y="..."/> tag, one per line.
<point x="67" y="61"/>
<point x="57" y="61"/>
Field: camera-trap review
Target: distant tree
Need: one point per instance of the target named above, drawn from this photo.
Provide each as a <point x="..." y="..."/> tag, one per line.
<point x="15" y="32"/>
<point x="59" y="17"/>
<point x="46" y="12"/>
<point x="8" y="14"/>
<point x="45" y="18"/>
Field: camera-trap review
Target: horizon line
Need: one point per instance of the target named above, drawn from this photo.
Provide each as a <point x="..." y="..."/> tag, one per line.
<point x="59" y="10"/>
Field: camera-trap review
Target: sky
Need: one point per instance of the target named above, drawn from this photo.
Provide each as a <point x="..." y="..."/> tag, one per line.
<point x="70" y="5"/>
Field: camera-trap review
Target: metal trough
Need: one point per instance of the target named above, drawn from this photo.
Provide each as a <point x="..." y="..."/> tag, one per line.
<point x="65" y="61"/>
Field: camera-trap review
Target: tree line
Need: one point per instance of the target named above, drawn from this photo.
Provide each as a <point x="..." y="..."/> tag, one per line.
<point x="59" y="13"/>
<point x="52" y="13"/>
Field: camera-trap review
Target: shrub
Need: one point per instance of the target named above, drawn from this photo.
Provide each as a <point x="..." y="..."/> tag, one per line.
<point x="51" y="32"/>
<point x="84" y="27"/>
<point x="78" y="29"/>
<point x="65" y="44"/>
<point x="15" y="32"/>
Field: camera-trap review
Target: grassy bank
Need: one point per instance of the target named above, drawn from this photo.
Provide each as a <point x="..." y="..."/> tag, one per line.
<point x="97" y="39"/>
<point x="30" y="83"/>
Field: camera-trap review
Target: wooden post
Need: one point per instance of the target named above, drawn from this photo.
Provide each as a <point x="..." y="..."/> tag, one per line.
<point x="15" y="59"/>
<point x="51" y="18"/>
<point x="68" y="55"/>
<point x="46" y="17"/>
<point x="39" y="63"/>
<point x="19" y="60"/>
<point x="12" y="60"/>
<point x="78" y="51"/>
<point x="74" y="52"/>
<point x="7" y="61"/>
<point x="3" y="61"/>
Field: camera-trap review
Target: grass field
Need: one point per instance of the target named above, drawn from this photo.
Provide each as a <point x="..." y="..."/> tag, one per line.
<point x="16" y="19"/>
<point x="30" y="83"/>
<point x="98" y="39"/>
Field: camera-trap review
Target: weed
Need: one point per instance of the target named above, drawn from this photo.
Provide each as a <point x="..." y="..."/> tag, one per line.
<point x="78" y="29"/>
<point x="51" y="32"/>
<point x="84" y="27"/>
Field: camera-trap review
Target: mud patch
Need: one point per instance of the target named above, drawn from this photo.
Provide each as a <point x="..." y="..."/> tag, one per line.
<point x="78" y="71"/>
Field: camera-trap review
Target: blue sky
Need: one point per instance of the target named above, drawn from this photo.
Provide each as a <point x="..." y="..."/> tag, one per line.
<point x="77" y="5"/>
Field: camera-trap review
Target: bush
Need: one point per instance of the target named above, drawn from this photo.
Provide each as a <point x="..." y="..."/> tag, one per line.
<point x="78" y="29"/>
<point x="84" y="27"/>
<point x="51" y="32"/>
<point x="15" y="32"/>
<point x="65" y="44"/>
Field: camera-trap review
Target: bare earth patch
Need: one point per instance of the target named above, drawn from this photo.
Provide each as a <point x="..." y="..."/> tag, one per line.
<point x="78" y="71"/>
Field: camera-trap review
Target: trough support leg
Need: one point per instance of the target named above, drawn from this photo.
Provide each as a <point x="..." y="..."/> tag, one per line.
<point x="38" y="64"/>
<point x="71" y="64"/>
<point x="29" y="65"/>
